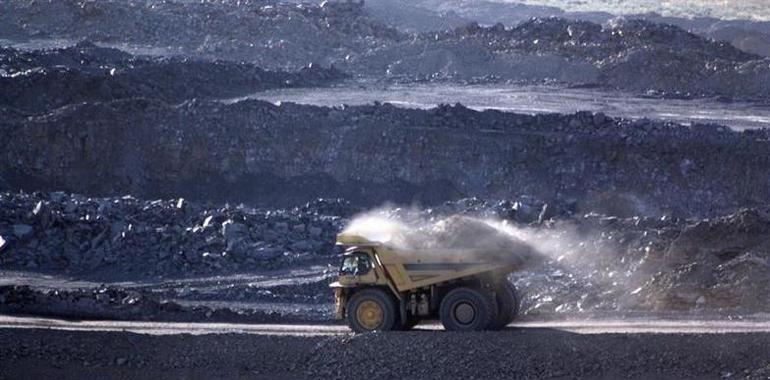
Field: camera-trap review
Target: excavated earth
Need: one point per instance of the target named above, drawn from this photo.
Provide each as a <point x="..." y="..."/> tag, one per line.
<point x="635" y="55"/>
<point x="121" y="258"/>
<point x="40" y="81"/>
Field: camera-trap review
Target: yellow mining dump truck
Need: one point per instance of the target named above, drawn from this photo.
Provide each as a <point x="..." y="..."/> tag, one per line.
<point x="383" y="288"/>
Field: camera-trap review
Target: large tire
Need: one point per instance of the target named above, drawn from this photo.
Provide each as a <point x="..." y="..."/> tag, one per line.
<point x="468" y="309"/>
<point x="507" y="303"/>
<point x="371" y="310"/>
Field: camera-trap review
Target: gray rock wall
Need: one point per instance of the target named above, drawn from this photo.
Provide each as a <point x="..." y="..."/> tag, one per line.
<point x="261" y="153"/>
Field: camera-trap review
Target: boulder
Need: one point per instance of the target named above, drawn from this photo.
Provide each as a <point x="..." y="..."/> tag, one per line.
<point x="22" y="231"/>
<point x="233" y="231"/>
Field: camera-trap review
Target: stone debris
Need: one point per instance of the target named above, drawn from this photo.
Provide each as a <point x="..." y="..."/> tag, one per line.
<point x="274" y="35"/>
<point x="640" y="56"/>
<point x="39" y="81"/>
<point x="126" y="237"/>
<point x="119" y="304"/>
<point x="588" y="263"/>
<point x="651" y="264"/>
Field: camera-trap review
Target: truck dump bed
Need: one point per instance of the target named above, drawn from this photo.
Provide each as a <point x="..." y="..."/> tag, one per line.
<point x="411" y="269"/>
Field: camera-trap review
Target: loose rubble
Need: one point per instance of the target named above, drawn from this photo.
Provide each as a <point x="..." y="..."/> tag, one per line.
<point x="113" y="238"/>
<point x="589" y="263"/>
<point x="120" y="304"/>
<point x="432" y="15"/>
<point x="41" y="81"/>
<point x="658" y="59"/>
<point x="650" y="264"/>
<point x="633" y="55"/>
<point x="270" y="34"/>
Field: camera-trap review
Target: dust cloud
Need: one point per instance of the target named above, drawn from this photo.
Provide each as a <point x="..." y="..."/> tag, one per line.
<point x="451" y="236"/>
<point x="561" y="265"/>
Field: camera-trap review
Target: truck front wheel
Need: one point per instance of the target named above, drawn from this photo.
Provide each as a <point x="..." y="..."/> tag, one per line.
<point x="371" y="310"/>
<point x="468" y="309"/>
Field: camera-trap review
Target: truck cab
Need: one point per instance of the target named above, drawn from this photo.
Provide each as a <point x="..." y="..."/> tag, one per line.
<point x="357" y="267"/>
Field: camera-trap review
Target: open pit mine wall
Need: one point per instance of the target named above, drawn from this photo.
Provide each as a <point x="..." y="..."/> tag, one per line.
<point x="260" y="153"/>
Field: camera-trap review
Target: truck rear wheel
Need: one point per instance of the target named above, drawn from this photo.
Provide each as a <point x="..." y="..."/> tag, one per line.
<point x="468" y="309"/>
<point x="507" y="303"/>
<point x="371" y="310"/>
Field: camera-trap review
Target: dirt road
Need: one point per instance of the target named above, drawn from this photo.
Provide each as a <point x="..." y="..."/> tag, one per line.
<point x="667" y="349"/>
<point x="595" y="326"/>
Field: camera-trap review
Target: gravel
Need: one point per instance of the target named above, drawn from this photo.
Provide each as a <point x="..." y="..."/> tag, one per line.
<point x="510" y="354"/>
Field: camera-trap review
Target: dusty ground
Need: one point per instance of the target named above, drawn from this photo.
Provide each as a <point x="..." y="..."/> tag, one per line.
<point x="513" y="353"/>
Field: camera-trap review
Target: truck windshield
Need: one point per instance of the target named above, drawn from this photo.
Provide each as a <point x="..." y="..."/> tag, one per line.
<point x="349" y="265"/>
<point x="356" y="264"/>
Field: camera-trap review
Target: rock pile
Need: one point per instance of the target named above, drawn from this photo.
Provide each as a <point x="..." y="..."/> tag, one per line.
<point x="603" y="263"/>
<point x="633" y="55"/>
<point x="118" y="304"/>
<point x="589" y="263"/>
<point x="268" y="33"/>
<point x="39" y="81"/>
<point x="112" y="238"/>
<point x="594" y="42"/>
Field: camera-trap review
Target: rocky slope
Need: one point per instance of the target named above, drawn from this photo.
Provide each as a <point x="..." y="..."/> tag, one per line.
<point x="431" y="15"/>
<point x="264" y="154"/>
<point x="39" y="81"/>
<point x="642" y="264"/>
<point x="112" y="238"/>
<point x="634" y="55"/>
<point x="589" y="264"/>
<point x="267" y="33"/>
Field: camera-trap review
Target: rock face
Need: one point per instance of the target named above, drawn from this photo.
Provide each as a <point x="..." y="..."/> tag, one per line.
<point x="264" y="154"/>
